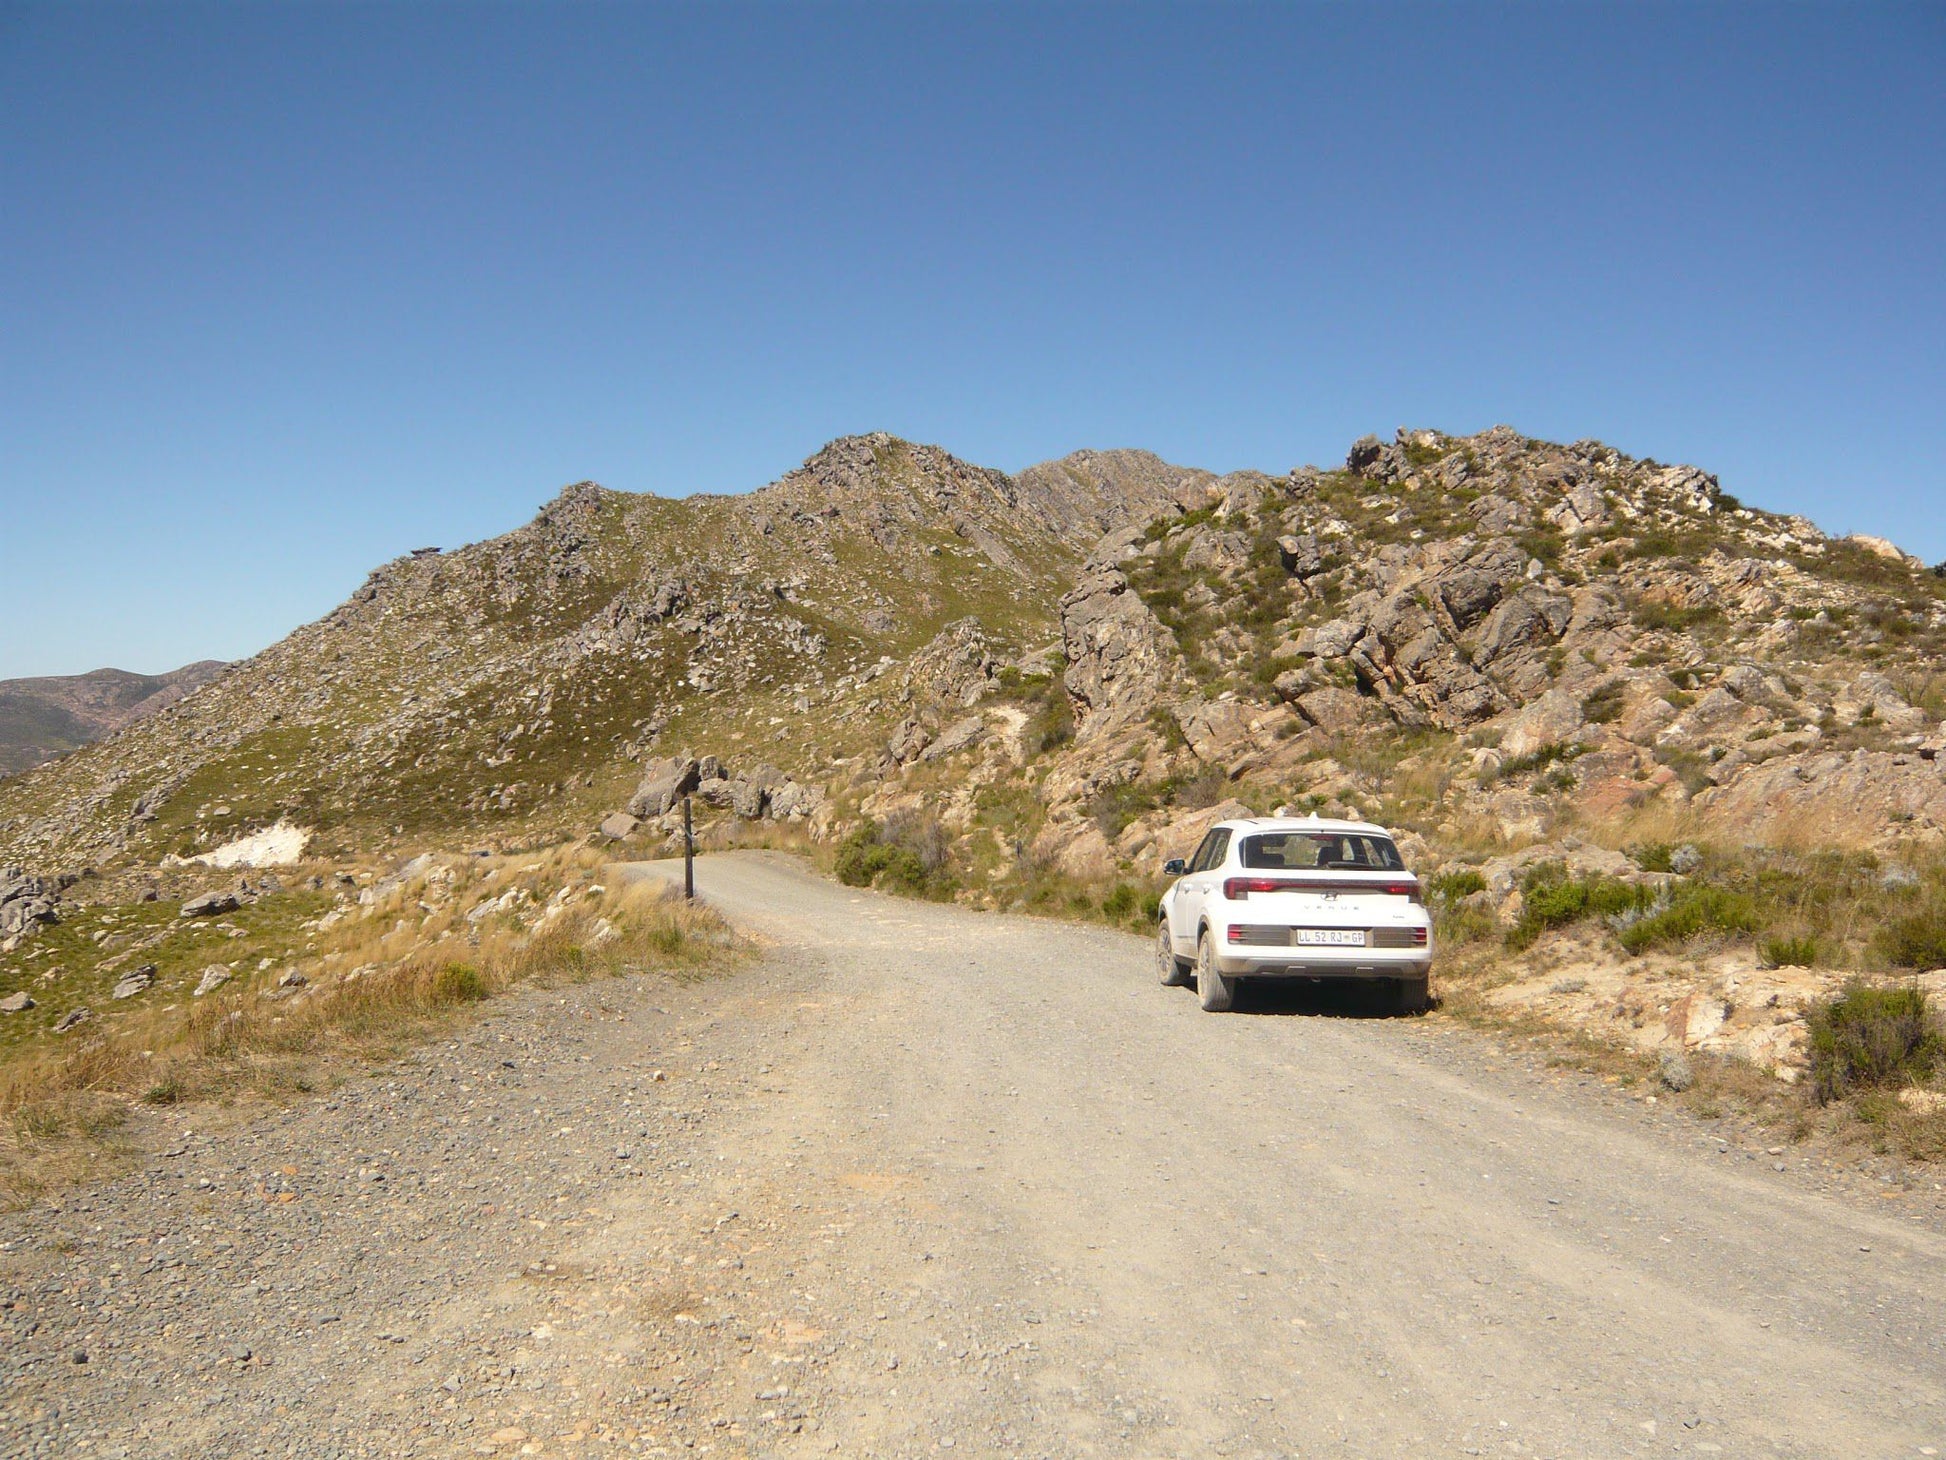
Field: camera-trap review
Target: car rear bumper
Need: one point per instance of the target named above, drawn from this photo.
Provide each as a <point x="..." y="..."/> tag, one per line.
<point x="1326" y="963"/>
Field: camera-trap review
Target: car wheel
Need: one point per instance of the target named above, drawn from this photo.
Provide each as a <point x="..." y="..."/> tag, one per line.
<point x="1411" y="995"/>
<point x="1215" y="991"/>
<point x="1173" y="971"/>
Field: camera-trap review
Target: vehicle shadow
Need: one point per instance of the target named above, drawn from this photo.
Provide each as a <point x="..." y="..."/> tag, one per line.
<point x="1326" y="998"/>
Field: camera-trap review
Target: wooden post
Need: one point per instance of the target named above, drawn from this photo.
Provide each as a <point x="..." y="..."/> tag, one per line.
<point x="688" y="853"/>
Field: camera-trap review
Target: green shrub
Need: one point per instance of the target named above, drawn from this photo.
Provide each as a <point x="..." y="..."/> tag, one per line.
<point x="1870" y="1036"/>
<point x="1551" y="899"/>
<point x="862" y="856"/>
<point x="1539" y="759"/>
<point x="1122" y="901"/>
<point x="1604" y="705"/>
<point x="1167" y="728"/>
<point x="1652" y="856"/>
<point x="1114" y="808"/>
<point x="1693" y="910"/>
<point x="908" y="854"/>
<point x="1914" y="940"/>
<point x="458" y="983"/>
<point x="904" y="870"/>
<point x="1453" y="886"/>
<point x="1790" y="952"/>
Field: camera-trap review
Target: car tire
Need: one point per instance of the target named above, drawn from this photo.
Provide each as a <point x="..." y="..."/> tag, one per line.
<point x="1215" y="992"/>
<point x="1411" y="995"/>
<point x="1175" y="973"/>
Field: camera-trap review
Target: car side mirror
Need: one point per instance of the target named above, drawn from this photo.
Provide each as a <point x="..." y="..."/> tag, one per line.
<point x="1174" y="867"/>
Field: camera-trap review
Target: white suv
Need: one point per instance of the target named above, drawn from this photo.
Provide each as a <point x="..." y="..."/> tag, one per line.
<point x="1294" y="898"/>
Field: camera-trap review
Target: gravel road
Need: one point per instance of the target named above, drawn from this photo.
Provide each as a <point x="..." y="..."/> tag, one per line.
<point x="921" y="1180"/>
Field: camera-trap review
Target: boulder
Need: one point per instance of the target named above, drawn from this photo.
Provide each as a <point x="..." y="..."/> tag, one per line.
<point x="18" y="1003"/>
<point x="1854" y="798"/>
<point x="664" y="783"/>
<point x="135" y="982"/>
<point x="793" y="801"/>
<point x="718" y="794"/>
<point x="1647" y="719"/>
<point x="1300" y="555"/>
<point x="908" y="742"/>
<point x="619" y="826"/>
<point x="27" y="902"/>
<point x="214" y="977"/>
<point x="960" y="735"/>
<point x="211" y="904"/>
<point x="1553" y="719"/>
<point x="750" y="792"/>
<point x="1469" y="589"/>
<point x="1217" y="730"/>
<point x="1881" y="547"/>
<point x="1332" y="708"/>
<point x="73" y="1019"/>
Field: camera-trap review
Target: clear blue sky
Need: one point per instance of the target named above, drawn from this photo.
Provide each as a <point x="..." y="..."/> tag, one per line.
<point x="285" y="292"/>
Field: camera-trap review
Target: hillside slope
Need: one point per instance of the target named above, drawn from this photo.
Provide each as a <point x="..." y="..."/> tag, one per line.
<point x="507" y="688"/>
<point x="45" y="717"/>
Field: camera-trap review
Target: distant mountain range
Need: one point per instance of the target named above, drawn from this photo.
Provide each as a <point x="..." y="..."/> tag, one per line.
<point x="43" y="718"/>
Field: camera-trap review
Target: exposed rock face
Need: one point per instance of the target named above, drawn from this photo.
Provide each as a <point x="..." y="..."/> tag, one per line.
<point x="1832" y="797"/>
<point x="1121" y="661"/>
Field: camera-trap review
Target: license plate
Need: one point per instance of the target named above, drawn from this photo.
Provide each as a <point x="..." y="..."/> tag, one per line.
<point x="1330" y="937"/>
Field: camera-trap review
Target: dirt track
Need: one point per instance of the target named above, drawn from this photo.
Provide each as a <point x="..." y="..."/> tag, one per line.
<point x="926" y="1180"/>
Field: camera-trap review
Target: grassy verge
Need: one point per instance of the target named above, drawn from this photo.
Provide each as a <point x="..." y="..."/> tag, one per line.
<point x="408" y="964"/>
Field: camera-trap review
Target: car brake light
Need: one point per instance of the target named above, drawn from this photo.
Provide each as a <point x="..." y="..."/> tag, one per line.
<point x="1239" y="888"/>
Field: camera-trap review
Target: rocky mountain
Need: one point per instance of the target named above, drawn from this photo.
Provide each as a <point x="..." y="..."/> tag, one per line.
<point x="1482" y="637"/>
<point x="508" y="689"/>
<point x="43" y="718"/>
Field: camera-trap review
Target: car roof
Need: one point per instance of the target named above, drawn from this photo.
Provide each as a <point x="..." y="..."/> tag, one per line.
<point x="1302" y="823"/>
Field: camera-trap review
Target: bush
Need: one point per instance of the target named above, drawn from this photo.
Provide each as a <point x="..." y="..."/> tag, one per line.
<point x="908" y="854"/>
<point x="1915" y="940"/>
<point x="458" y="983"/>
<point x="1536" y="760"/>
<point x="862" y="856"/>
<point x="1790" y="952"/>
<point x="1451" y="887"/>
<point x="1605" y="704"/>
<point x="1652" y="856"/>
<point x="1691" y="911"/>
<point x="1551" y="899"/>
<point x="1868" y="1037"/>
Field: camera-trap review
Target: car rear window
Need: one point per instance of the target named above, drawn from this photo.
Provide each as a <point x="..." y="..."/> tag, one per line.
<point x="1327" y="851"/>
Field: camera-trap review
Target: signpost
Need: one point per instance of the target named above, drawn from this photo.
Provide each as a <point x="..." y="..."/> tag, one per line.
<point x="688" y="853"/>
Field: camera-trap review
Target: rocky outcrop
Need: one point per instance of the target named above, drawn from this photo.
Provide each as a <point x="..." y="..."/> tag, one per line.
<point x="1831" y="797"/>
<point x="1122" y="662"/>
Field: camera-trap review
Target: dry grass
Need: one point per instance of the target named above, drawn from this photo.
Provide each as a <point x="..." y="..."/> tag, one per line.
<point x="379" y="982"/>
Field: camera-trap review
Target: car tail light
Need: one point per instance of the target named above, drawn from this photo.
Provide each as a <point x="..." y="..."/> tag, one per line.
<point x="1239" y="888"/>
